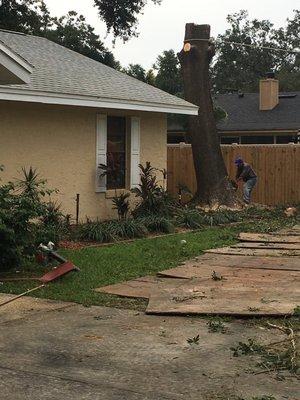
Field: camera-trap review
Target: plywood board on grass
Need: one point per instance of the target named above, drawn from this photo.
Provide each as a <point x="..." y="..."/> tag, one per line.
<point x="137" y="288"/>
<point x="287" y="232"/>
<point x="267" y="245"/>
<point x="255" y="252"/>
<point x="191" y="268"/>
<point x="233" y="296"/>
<point x="198" y="271"/>
<point x="220" y="302"/>
<point x="273" y="238"/>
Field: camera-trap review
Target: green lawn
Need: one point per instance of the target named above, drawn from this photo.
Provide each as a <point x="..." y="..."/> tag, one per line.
<point x="106" y="265"/>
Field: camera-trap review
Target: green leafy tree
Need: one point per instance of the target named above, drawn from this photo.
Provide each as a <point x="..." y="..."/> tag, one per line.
<point x="288" y="38"/>
<point x="136" y="71"/>
<point x="27" y="16"/>
<point x="151" y="78"/>
<point x="121" y="16"/>
<point x="241" y="67"/>
<point x="71" y="30"/>
<point x="168" y="76"/>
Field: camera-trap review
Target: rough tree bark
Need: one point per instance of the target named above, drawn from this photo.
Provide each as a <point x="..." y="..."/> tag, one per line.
<point x="213" y="186"/>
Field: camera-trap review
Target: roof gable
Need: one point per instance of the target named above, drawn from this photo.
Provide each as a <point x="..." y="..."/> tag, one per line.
<point x="13" y="68"/>
<point x="63" y="73"/>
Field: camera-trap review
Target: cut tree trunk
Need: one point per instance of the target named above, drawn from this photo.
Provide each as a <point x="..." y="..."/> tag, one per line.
<point x="213" y="186"/>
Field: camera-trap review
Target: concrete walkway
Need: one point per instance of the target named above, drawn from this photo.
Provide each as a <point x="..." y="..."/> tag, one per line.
<point x="52" y="350"/>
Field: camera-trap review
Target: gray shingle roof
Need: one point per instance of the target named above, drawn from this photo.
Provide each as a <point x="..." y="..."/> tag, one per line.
<point x="63" y="71"/>
<point x="244" y="114"/>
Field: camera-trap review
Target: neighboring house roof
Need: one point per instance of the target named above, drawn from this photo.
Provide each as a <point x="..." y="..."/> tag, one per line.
<point x="244" y="114"/>
<point x="62" y="76"/>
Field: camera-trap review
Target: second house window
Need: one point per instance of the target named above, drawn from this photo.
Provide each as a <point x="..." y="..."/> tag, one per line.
<point x="116" y="152"/>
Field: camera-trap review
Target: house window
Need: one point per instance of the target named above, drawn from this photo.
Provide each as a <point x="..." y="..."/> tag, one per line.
<point x="286" y="139"/>
<point x="257" y="139"/>
<point x="116" y="152"/>
<point x="230" y="139"/>
<point x="114" y="156"/>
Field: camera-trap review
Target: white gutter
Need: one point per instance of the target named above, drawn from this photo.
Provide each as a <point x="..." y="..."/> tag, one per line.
<point x="33" y="96"/>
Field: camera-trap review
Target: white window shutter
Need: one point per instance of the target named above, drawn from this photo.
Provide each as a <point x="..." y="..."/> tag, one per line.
<point x="135" y="151"/>
<point x="101" y="151"/>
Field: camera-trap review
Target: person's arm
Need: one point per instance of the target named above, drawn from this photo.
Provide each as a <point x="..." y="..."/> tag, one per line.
<point x="245" y="171"/>
<point x="238" y="173"/>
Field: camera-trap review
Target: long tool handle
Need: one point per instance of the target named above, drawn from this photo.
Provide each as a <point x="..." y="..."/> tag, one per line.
<point x="21" y="295"/>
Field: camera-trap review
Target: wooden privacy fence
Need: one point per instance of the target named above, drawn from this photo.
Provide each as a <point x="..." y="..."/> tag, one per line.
<point x="277" y="167"/>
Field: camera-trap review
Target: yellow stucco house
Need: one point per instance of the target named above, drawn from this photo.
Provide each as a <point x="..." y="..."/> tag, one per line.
<point x="65" y="114"/>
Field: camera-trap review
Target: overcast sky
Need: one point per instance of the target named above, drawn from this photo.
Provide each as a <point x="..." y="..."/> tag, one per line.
<point x="162" y="27"/>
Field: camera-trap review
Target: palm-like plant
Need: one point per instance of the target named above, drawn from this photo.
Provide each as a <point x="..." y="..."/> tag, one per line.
<point x="30" y="183"/>
<point x="154" y="199"/>
<point x="121" y="204"/>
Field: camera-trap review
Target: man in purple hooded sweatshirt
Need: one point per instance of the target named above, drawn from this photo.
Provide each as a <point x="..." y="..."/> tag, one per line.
<point x="245" y="173"/>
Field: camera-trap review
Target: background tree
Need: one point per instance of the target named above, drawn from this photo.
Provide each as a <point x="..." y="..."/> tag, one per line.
<point x="288" y="38"/>
<point x="121" y="16"/>
<point x="27" y="16"/>
<point x="169" y="76"/>
<point x="136" y="71"/>
<point x="241" y="67"/>
<point x="151" y="78"/>
<point x="71" y="30"/>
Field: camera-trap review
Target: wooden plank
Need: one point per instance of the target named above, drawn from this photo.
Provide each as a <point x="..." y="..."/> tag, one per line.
<point x="256" y="252"/>
<point x="282" y="263"/>
<point x="204" y="272"/>
<point x="240" y="292"/>
<point x="291" y="232"/>
<point x="222" y="302"/>
<point x="256" y="237"/>
<point x="234" y="296"/>
<point x="267" y="245"/>
<point x="137" y="288"/>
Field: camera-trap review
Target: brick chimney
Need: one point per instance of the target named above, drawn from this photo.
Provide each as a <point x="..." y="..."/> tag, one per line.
<point x="268" y="92"/>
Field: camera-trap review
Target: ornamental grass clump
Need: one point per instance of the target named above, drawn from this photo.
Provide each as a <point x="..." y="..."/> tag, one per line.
<point x="96" y="231"/>
<point x="190" y="218"/>
<point x="157" y="223"/>
<point x="111" y="231"/>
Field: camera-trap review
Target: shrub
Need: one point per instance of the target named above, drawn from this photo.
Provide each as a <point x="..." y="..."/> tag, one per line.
<point x="10" y="251"/>
<point x="130" y="228"/>
<point x="121" y="204"/>
<point x="222" y="217"/>
<point x="95" y="231"/>
<point x="153" y="198"/>
<point x="190" y="218"/>
<point x="110" y="231"/>
<point x="49" y="233"/>
<point x="156" y="223"/>
<point x="21" y="206"/>
<point x="52" y="214"/>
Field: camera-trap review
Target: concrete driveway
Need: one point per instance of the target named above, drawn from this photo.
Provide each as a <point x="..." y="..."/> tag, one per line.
<point x="52" y="350"/>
